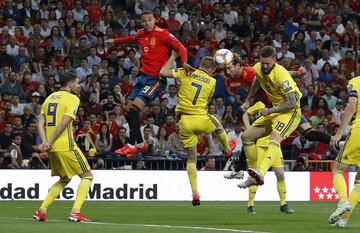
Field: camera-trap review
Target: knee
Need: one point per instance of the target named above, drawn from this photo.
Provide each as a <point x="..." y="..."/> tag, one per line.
<point x="65" y="180"/>
<point x="245" y="137"/>
<point x="280" y="175"/>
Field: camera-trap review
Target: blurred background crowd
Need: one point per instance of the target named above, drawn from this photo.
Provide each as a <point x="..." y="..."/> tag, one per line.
<point x="41" y="39"/>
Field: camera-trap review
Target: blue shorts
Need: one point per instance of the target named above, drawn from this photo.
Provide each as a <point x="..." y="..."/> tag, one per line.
<point x="147" y="88"/>
<point x="303" y="120"/>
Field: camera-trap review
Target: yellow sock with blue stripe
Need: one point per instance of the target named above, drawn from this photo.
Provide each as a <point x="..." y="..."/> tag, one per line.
<point x="272" y="153"/>
<point x="53" y="193"/>
<point x="252" y="194"/>
<point x="281" y="187"/>
<point x="192" y="174"/>
<point x="340" y="186"/>
<point x="82" y="192"/>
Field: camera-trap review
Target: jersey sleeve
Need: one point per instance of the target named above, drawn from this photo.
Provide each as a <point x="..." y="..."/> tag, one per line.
<point x="126" y="39"/>
<point x="352" y="90"/>
<point x="283" y="80"/>
<point x="72" y="106"/>
<point x="179" y="73"/>
<point x="169" y="39"/>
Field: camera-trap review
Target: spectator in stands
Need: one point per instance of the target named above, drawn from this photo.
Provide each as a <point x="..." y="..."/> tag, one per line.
<point x="92" y="106"/>
<point x="329" y="97"/>
<point x="337" y="111"/>
<point x="325" y="57"/>
<point x="17" y="126"/>
<point x="220" y="107"/>
<point x="29" y="145"/>
<point x="140" y="164"/>
<point x="202" y="146"/>
<point x="150" y="141"/>
<point x="27" y="116"/>
<point x="150" y="122"/>
<point x="162" y="145"/>
<point x="120" y="139"/>
<point x="175" y="145"/>
<point x="236" y="134"/>
<point x="209" y="164"/>
<point x="103" y="139"/>
<point x="171" y="95"/>
<point x="228" y="119"/>
<point x="302" y="164"/>
<point x="85" y="138"/>
<point x="301" y="145"/>
<point x="169" y="125"/>
<point x="5" y="141"/>
<point x="13" y="87"/>
<point x="310" y="99"/>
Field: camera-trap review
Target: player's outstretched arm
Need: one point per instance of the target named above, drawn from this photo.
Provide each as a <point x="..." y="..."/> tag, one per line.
<point x="253" y="89"/>
<point x="120" y="40"/>
<point x="345" y="120"/>
<point x="166" y="70"/>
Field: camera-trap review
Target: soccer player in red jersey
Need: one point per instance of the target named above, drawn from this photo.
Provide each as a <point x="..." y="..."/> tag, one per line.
<point x="154" y="43"/>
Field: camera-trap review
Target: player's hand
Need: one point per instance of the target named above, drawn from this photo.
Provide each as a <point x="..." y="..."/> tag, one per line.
<point x="188" y="68"/>
<point x="265" y="112"/>
<point x="245" y="106"/>
<point x="301" y="71"/>
<point x="109" y="41"/>
<point x="44" y="146"/>
<point x="334" y="141"/>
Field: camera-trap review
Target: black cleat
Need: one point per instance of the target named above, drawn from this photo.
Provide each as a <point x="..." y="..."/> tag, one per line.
<point x="286" y="209"/>
<point x="251" y="210"/>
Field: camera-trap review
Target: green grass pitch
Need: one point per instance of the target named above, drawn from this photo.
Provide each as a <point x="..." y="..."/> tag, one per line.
<point x="172" y="217"/>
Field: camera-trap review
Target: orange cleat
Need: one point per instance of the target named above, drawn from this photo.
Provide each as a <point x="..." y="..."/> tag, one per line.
<point x="77" y="217"/>
<point x="125" y="149"/>
<point x="38" y="216"/>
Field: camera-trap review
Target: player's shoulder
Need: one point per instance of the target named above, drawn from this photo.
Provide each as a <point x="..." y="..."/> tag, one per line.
<point x="355" y="81"/>
<point x="257" y="67"/>
<point x="161" y="30"/>
<point x="279" y="68"/>
<point x="140" y="32"/>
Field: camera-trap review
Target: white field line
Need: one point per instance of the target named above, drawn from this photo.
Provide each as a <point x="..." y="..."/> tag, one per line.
<point x="152" y="226"/>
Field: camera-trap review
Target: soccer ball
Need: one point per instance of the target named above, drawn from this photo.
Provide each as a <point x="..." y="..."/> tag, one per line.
<point x="223" y="57"/>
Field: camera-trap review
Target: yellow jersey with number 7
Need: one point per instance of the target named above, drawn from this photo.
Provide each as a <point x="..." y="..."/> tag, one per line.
<point x="195" y="92"/>
<point x="55" y="107"/>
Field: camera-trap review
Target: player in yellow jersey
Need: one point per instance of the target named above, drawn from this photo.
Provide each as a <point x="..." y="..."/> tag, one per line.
<point x="66" y="160"/>
<point x="195" y="91"/>
<point x="349" y="155"/>
<point x="279" y="121"/>
<point x="254" y="112"/>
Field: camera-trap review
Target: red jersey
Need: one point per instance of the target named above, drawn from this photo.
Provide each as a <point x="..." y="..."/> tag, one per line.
<point x="155" y="49"/>
<point x="233" y="84"/>
<point x="247" y="78"/>
<point x="161" y="22"/>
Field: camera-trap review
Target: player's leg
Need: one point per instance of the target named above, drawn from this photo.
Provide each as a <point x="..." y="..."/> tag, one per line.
<point x="282" y="126"/>
<point x="353" y="199"/>
<point x="261" y="151"/>
<point x="311" y="134"/>
<point x="55" y="190"/>
<point x="189" y="124"/>
<point x="222" y="136"/>
<point x="250" y="136"/>
<point x="347" y="156"/>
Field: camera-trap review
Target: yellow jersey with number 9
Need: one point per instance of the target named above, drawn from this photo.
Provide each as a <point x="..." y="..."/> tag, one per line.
<point x="277" y="84"/>
<point x="55" y="107"/>
<point x="195" y="91"/>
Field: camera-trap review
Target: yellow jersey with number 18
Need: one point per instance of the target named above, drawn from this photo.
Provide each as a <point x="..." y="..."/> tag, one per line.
<point x="195" y="91"/>
<point x="277" y="84"/>
<point x="354" y="91"/>
<point x="55" y="107"/>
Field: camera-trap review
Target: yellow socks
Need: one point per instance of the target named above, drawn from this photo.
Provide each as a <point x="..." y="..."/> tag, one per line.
<point x="82" y="192"/>
<point x="281" y="187"/>
<point x="53" y="193"/>
<point x="272" y="152"/>
<point x="340" y="186"/>
<point x="192" y="174"/>
<point x="223" y="138"/>
<point x="252" y="193"/>
<point x="354" y="198"/>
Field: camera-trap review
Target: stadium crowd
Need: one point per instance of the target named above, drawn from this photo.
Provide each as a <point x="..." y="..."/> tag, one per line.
<point x="42" y="39"/>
